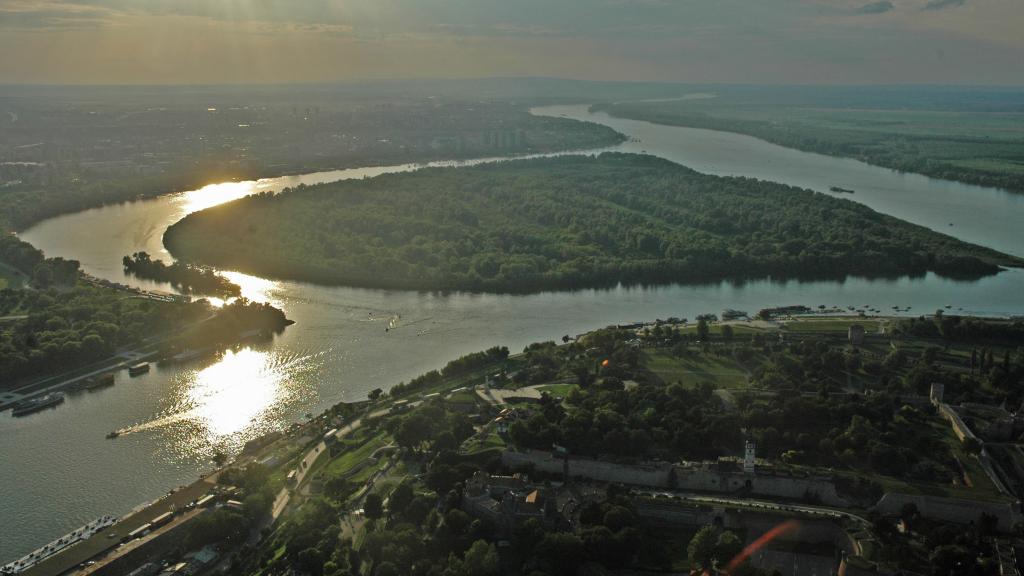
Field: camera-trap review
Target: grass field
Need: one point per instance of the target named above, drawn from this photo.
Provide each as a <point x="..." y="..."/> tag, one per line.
<point x="717" y="371"/>
<point x="476" y="445"/>
<point x="356" y="455"/>
<point x="840" y="325"/>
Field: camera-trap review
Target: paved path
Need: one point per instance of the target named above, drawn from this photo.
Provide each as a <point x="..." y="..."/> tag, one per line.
<point x="501" y="395"/>
<point x="820" y="511"/>
<point x="306" y="464"/>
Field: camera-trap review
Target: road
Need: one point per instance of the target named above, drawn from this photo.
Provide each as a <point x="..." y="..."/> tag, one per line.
<point x="306" y="464"/>
<point x="820" y="511"/>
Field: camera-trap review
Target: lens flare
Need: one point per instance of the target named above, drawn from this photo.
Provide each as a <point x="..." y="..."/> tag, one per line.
<point x="784" y="528"/>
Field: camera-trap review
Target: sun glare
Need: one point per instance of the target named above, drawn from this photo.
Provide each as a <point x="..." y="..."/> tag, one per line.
<point x="215" y="194"/>
<point x="233" y="393"/>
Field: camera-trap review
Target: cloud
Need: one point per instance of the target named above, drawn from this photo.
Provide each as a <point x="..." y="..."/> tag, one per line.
<point x="50" y="15"/>
<point x="879" y="7"/>
<point x="943" y="4"/>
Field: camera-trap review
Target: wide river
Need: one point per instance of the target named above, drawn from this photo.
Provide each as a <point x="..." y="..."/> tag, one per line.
<point x="60" y="472"/>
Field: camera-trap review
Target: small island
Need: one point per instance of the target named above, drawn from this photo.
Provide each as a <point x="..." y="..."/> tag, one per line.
<point x="186" y="277"/>
<point x="563" y="223"/>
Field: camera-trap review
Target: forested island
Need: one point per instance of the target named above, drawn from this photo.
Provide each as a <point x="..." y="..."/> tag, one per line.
<point x="186" y="277"/>
<point x="563" y="223"/>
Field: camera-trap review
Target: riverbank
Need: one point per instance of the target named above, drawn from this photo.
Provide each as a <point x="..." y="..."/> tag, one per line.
<point x="960" y="144"/>
<point x="181" y="415"/>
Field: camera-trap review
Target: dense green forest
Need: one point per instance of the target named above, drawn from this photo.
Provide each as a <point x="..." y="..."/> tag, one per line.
<point x="344" y="135"/>
<point x="71" y="326"/>
<point x="983" y="146"/>
<point x="186" y="277"/>
<point x="66" y="327"/>
<point x="63" y="322"/>
<point x="562" y="223"/>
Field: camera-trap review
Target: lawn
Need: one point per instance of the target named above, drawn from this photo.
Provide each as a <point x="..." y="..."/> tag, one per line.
<point x="355" y="455"/>
<point x="476" y="445"/>
<point x="718" y="371"/>
<point x="831" y="325"/>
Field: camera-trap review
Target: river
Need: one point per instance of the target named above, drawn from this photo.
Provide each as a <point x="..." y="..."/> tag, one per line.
<point x="60" y="472"/>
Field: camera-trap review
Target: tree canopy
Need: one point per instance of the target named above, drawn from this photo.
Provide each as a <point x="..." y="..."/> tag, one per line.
<point x="562" y="223"/>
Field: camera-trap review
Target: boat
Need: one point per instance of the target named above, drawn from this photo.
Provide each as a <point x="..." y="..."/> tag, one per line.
<point x="187" y="356"/>
<point x="71" y="538"/>
<point x="137" y="369"/>
<point x="27" y="407"/>
<point x="839" y="190"/>
<point x="101" y="381"/>
<point x="113" y="434"/>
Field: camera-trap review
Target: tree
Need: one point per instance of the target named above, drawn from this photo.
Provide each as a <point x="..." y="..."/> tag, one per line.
<point x="480" y="560"/>
<point x="617" y="518"/>
<point x="375" y="394"/>
<point x="701" y="550"/>
<point x="727" y="332"/>
<point x="727" y="547"/>
<point x="373" y="507"/>
<point x="387" y="568"/>
<point x="413" y="431"/>
<point x="400" y="498"/>
<point x="457" y="521"/>
<point x="562" y="552"/>
<point x="972" y="446"/>
<point x="702" y="329"/>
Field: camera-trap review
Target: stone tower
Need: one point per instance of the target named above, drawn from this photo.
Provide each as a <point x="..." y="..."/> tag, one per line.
<point x="748" y="458"/>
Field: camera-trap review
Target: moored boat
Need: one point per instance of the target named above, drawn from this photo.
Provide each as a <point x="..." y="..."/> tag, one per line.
<point x="27" y="407"/>
<point x="137" y="369"/>
<point x="101" y="381"/>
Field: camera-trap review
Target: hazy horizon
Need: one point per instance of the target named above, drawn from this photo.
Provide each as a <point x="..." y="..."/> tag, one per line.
<point x="842" y="42"/>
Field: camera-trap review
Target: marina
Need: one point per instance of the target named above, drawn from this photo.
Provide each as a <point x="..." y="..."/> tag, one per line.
<point x="57" y="546"/>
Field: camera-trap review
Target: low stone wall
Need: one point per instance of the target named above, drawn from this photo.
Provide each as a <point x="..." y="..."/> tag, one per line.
<point x="656" y="475"/>
<point x="704" y="480"/>
<point x="696" y="478"/>
<point x="956" y="510"/>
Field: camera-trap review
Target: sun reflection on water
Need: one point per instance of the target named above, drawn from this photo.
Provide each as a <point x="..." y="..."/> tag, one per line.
<point x="253" y="287"/>
<point x="214" y="194"/>
<point x="234" y="392"/>
<point x="244" y="394"/>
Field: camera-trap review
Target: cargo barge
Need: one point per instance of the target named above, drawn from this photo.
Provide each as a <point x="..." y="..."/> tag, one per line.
<point x="26" y="407"/>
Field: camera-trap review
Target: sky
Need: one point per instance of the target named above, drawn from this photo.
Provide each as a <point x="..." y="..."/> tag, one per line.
<point x="694" y="41"/>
